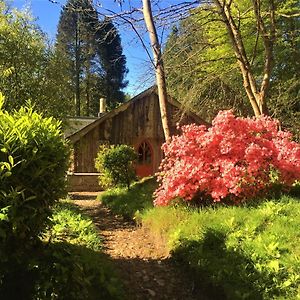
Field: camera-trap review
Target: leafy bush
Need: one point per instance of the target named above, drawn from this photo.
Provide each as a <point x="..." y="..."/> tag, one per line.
<point x="234" y="160"/>
<point x="129" y="203"/>
<point x="33" y="162"/>
<point x="115" y="164"/>
<point x="67" y="271"/>
<point x="236" y="252"/>
<point x="34" y="159"/>
<point x="71" y="266"/>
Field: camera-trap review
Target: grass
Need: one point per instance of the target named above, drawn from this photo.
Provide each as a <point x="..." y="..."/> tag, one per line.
<point x="246" y="252"/>
<point x="73" y="266"/>
<point x="130" y="203"/>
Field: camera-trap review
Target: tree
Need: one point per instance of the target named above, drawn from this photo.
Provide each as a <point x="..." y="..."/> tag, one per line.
<point x="28" y="68"/>
<point x="200" y="79"/>
<point x="159" y="67"/>
<point x="208" y="64"/>
<point x="96" y="63"/>
<point x="113" y="61"/>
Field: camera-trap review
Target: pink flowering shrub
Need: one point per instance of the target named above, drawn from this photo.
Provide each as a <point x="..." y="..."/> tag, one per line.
<point x="236" y="158"/>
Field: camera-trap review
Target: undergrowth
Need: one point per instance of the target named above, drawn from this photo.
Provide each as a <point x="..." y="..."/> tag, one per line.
<point x="130" y="203"/>
<point x="69" y="225"/>
<point x="66" y="264"/>
<point x="232" y="252"/>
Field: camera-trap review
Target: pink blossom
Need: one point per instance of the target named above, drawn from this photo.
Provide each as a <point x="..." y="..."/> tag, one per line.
<point x="233" y="158"/>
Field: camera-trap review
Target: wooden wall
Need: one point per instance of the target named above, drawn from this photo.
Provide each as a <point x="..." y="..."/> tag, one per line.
<point x="140" y="121"/>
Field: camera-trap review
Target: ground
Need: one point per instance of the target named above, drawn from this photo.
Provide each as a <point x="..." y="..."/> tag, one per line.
<point x="142" y="261"/>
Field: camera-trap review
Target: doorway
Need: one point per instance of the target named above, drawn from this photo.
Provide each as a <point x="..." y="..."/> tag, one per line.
<point x="144" y="166"/>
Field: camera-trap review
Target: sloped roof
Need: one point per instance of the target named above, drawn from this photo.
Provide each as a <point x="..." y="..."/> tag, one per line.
<point x="76" y="135"/>
<point x="75" y="124"/>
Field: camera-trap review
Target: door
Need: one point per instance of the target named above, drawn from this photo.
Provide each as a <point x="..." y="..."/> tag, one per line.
<point x="144" y="166"/>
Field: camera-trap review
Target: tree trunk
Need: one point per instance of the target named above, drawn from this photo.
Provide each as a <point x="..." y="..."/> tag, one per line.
<point x="159" y="67"/>
<point x="256" y="94"/>
<point x="77" y="68"/>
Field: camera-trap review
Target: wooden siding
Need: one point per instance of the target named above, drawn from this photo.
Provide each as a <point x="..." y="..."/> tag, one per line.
<point x="138" y="122"/>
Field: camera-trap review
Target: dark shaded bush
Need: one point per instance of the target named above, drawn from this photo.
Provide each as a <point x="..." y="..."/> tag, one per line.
<point x="67" y="271"/>
<point x="115" y="164"/>
<point x="67" y="265"/>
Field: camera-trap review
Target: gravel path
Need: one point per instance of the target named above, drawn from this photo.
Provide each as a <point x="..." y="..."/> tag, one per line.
<point x="144" y="266"/>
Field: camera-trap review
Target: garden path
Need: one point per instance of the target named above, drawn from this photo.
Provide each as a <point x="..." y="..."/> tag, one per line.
<point x="142" y="263"/>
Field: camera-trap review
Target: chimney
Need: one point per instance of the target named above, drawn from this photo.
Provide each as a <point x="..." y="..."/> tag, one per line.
<point x="102" y="107"/>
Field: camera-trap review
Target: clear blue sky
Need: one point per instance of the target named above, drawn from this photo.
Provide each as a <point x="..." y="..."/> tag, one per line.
<point x="139" y="75"/>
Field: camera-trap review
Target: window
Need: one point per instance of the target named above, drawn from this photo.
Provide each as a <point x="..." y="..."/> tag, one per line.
<point x="144" y="153"/>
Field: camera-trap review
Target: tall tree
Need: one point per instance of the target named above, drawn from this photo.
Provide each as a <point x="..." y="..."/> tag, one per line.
<point x="96" y="63"/>
<point x="110" y="51"/>
<point x="159" y="67"/>
<point x="205" y="52"/>
<point x="29" y="69"/>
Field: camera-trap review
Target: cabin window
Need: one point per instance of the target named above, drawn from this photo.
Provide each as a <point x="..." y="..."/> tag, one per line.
<point x="144" y="153"/>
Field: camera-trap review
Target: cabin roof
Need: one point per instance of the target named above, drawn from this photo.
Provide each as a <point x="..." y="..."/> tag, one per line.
<point x="86" y="124"/>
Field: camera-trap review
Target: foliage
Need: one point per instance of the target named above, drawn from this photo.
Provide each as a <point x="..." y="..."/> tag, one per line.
<point x="73" y="267"/>
<point x="129" y="203"/>
<point x="114" y="63"/>
<point x="202" y="70"/>
<point x="72" y="272"/>
<point x="69" y="225"/>
<point x="96" y="65"/>
<point x="115" y="164"/>
<point x="33" y="162"/>
<point x="66" y="266"/>
<point x="29" y="69"/>
<point x="235" y="252"/>
<point x="236" y="159"/>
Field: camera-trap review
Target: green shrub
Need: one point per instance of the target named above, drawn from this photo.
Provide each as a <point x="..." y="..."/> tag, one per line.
<point x="71" y="267"/>
<point x="73" y="272"/>
<point x="130" y="203"/>
<point x="115" y="164"/>
<point x="33" y="162"/>
<point x="236" y="252"/>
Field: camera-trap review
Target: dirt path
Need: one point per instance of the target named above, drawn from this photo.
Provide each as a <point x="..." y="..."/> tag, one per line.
<point x="144" y="267"/>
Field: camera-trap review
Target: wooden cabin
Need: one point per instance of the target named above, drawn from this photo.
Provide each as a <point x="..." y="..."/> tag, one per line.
<point x="136" y="123"/>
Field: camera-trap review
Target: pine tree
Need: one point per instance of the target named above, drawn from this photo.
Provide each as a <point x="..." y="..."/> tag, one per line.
<point x="96" y="63"/>
<point x="113" y="61"/>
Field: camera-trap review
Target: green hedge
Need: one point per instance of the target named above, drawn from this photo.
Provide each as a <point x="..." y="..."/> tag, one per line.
<point x="236" y="252"/>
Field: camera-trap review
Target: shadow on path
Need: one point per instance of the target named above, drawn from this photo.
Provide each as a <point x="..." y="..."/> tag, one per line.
<point x="144" y="266"/>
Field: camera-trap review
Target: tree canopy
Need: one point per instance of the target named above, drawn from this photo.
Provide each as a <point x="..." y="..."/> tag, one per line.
<point x="204" y="70"/>
<point x="29" y="69"/>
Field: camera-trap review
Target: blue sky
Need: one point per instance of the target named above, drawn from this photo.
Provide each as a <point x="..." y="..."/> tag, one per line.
<point x="140" y="75"/>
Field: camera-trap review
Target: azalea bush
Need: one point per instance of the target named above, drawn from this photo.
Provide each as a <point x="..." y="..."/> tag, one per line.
<point x="236" y="159"/>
